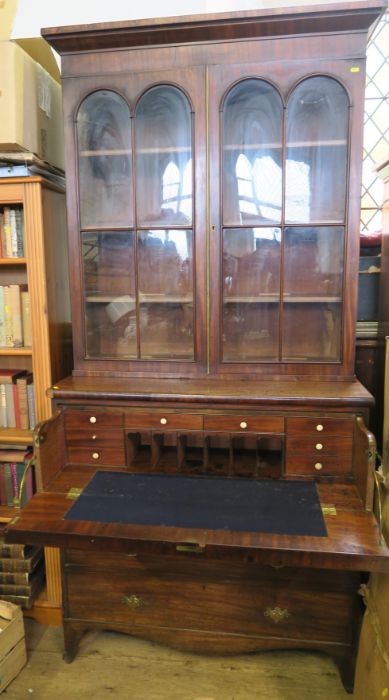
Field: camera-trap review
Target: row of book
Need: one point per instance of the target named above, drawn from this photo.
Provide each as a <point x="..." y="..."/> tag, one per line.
<point x="21" y="573"/>
<point x="11" y="232"/>
<point x="17" y="399"/>
<point x="15" y="316"/>
<point x="16" y="476"/>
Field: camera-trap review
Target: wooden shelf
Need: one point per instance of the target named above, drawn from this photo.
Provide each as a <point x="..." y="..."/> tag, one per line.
<point x="15" y="436"/>
<point x="292" y="144"/>
<point x="13" y="261"/>
<point x="276" y="299"/>
<point x="4" y="350"/>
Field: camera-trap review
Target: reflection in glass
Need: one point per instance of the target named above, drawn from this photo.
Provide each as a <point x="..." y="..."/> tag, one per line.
<point x="252" y="155"/>
<point x="311" y="331"/>
<point x="163" y="137"/>
<point x="110" y="303"/>
<point x="313" y="261"/>
<point x="316" y="151"/>
<point x="104" y="147"/>
<point x="251" y="291"/>
<point x="165" y="278"/>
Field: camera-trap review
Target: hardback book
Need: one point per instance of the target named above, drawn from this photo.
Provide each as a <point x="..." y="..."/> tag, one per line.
<point x="1" y="234"/>
<point x="13" y="316"/>
<point x="14" y="238"/>
<point x="7" y="232"/>
<point x="3" y="407"/>
<point x="9" y="376"/>
<point x="26" y="318"/>
<point x="19" y="219"/>
<point x="21" y="385"/>
<point x="2" y="318"/>
<point x="25" y="600"/>
<point x="26" y="564"/>
<point x="10" y="406"/>
<point x="31" y="406"/>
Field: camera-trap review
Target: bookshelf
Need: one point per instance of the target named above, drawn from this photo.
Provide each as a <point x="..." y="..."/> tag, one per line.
<point x="43" y="271"/>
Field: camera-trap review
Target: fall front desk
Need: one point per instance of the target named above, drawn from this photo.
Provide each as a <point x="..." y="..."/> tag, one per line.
<point x="210" y="516"/>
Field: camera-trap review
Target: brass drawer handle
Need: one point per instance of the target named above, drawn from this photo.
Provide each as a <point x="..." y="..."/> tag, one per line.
<point x="277" y="615"/>
<point x="163" y="421"/>
<point x="319" y="427"/>
<point x="243" y="425"/>
<point x="319" y="446"/>
<point x="318" y="466"/>
<point x="133" y="601"/>
<point x="92" y="419"/>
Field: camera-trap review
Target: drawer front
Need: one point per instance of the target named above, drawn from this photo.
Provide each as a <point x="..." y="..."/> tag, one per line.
<point x="92" y="419"/>
<point x="215" y="605"/>
<point x="321" y="426"/>
<point x="319" y="445"/>
<point x="98" y="455"/>
<point x="95" y="437"/>
<point x="318" y="465"/>
<point x="256" y="424"/>
<point x="168" y="421"/>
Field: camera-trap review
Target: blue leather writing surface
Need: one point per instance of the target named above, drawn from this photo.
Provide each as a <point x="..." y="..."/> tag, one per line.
<point x="215" y="503"/>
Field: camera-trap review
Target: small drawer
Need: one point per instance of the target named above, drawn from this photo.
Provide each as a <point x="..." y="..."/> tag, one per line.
<point x="320" y="426"/>
<point x="303" y="465"/>
<point x="242" y="423"/>
<point x="99" y="455"/>
<point x="164" y="421"/>
<point x="90" y="419"/>
<point x="319" y="445"/>
<point x="94" y="436"/>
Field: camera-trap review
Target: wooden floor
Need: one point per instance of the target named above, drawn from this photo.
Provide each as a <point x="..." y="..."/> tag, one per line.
<point x="117" y="667"/>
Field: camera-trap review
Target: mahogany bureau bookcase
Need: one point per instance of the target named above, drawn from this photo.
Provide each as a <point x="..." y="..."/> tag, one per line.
<point x="212" y="428"/>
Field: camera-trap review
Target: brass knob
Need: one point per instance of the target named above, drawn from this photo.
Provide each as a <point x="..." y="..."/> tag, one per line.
<point x="92" y="419"/>
<point x="318" y="466"/>
<point x="243" y="425"/>
<point x="319" y="427"/>
<point x="95" y="455"/>
<point x="319" y="446"/>
<point x="163" y="421"/>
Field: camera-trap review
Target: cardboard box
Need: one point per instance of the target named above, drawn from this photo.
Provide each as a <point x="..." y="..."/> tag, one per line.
<point x="30" y="107"/>
<point x="13" y="654"/>
<point x="372" y="672"/>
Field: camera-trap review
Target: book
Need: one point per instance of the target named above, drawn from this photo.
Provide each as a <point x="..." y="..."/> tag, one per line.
<point x="3" y="407"/>
<point x="9" y="376"/>
<point x="13" y="316"/>
<point x="26" y="599"/>
<point x="21" y="385"/>
<point x="31" y="406"/>
<point x="2" y="318"/>
<point x="27" y="564"/>
<point x="26" y="318"/>
<point x="19" y="219"/>
<point x="10" y="406"/>
<point x="24" y="588"/>
<point x="19" y="577"/>
<point x="7" y="232"/>
<point x="14" y="239"/>
<point x="16" y="405"/>
<point x="9" y="496"/>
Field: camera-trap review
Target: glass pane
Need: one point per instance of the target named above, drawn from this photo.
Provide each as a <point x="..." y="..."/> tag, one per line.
<point x="313" y="262"/>
<point x="252" y="155"/>
<point x="316" y="152"/>
<point x="311" y="331"/>
<point x="163" y="136"/>
<point x="165" y="278"/>
<point x="251" y="292"/>
<point x="110" y="302"/>
<point x="104" y="142"/>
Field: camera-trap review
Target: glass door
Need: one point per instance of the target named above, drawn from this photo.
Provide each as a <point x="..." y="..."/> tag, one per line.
<point x="283" y="160"/>
<point x="139" y="243"/>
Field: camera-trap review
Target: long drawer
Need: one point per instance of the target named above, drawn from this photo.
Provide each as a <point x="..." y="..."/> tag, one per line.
<point x="257" y="602"/>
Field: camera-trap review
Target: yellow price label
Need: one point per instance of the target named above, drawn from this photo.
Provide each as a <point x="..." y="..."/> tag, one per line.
<point x="355" y="69"/>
